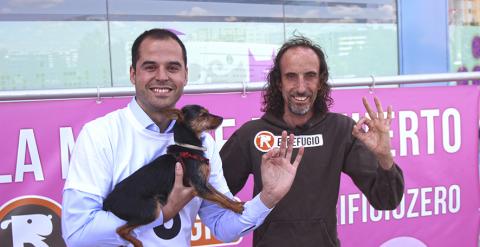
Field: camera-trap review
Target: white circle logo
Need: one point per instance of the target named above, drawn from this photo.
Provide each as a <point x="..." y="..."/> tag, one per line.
<point x="264" y="141"/>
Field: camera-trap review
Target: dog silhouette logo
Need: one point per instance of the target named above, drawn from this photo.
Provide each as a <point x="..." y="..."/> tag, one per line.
<point x="264" y="141"/>
<point x="30" y="221"/>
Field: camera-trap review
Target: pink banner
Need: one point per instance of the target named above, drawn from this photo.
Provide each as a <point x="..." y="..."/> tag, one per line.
<point x="434" y="140"/>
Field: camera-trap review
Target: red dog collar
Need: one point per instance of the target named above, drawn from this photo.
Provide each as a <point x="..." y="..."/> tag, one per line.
<point x="187" y="155"/>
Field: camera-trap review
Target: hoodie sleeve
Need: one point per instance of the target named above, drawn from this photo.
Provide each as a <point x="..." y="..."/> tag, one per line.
<point x="236" y="165"/>
<point x="384" y="189"/>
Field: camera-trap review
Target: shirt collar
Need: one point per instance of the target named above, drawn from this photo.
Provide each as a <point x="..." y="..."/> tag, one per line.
<point x="145" y="120"/>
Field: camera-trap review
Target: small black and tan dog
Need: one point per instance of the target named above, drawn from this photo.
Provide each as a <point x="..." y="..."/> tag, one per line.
<point x="138" y="199"/>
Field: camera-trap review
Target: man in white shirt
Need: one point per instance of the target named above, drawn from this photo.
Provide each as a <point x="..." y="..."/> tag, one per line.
<point x="112" y="147"/>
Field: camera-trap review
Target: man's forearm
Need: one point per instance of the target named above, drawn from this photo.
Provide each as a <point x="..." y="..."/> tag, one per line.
<point x="228" y="226"/>
<point x="84" y="223"/>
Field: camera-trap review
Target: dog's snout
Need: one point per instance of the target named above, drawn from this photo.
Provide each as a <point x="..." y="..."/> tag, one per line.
<point x="216" y="121"/>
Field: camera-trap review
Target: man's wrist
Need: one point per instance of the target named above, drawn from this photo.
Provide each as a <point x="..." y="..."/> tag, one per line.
<point x="386" y="162"/>
<point x="267" y="200"/>
<point x="172" y="207"/>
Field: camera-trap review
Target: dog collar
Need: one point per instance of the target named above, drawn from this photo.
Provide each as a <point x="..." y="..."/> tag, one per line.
<point x="187" y="155"/>
<point x="185" y="145"/>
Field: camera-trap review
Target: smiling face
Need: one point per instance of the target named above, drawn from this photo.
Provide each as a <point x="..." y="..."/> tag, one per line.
<point x="300" y="83"/>
<point x="159" y="75"/>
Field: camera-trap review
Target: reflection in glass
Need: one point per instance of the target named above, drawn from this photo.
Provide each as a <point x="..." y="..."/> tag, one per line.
<point x="464" y="37"/>
<point x="74" y="44"/>
<point x="226" y="41"/>
<point x="53" y="44"/>
<point x="350" y="32"/>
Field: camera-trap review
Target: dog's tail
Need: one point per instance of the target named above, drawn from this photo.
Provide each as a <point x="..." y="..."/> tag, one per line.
<point x="215" y="196"/>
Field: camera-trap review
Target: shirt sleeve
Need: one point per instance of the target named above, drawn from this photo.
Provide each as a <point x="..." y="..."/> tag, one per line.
<point x="237" y="165"/>
<point x="84" y="223"/>
<point x="225" y="224"/>
<point x="91" y="164"/>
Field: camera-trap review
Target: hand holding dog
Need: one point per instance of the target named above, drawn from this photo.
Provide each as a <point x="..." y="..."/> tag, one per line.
<point x="377" y="138"/>
<point x="179" y="196"/>
<point x="278" y="172"/>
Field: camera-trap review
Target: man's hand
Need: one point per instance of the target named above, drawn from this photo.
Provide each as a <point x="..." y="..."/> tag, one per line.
<point x="377" y="138"/>
<point x="179" y="196"/>
<point x="278" y="172"/>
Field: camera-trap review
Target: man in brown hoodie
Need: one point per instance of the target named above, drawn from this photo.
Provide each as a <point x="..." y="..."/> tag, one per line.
<point x="297" y="99"/>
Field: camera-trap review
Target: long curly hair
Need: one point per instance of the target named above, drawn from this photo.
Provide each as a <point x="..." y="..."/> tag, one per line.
<point x="272" y="95"/>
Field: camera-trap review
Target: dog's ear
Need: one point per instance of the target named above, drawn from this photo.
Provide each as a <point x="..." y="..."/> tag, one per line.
<point x="173" y="114"/>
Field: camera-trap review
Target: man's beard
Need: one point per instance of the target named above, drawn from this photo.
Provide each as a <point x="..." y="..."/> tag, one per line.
<point x="300" y="110"/>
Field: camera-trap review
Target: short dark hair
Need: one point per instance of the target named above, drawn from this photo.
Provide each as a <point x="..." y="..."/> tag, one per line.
<point x="156" y="33"/>
<point x="272" y="95"/>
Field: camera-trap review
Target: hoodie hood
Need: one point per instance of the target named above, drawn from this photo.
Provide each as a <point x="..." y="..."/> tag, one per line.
<point x="276" y="121"/>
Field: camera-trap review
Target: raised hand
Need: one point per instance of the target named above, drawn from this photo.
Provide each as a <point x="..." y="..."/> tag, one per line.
<point x="278" y="172"/>
<point x="377" y="138"/>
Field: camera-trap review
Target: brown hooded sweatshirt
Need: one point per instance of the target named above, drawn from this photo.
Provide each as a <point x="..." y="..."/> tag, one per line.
<point x="306" y="216"/>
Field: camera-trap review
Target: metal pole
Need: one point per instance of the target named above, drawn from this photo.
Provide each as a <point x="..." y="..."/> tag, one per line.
<point x="233" y="87"/>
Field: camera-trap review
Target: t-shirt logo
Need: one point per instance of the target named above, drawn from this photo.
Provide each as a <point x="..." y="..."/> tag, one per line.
<point x="264" y="141"/>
